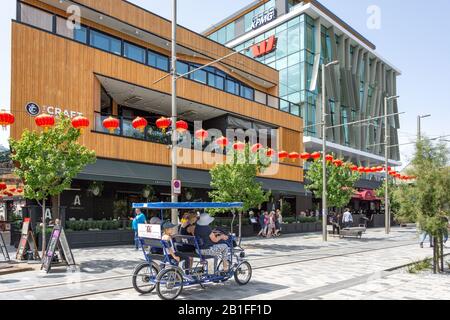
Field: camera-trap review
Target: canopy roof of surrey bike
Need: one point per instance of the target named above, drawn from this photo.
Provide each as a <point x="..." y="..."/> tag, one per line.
<point x="188" y="205"/>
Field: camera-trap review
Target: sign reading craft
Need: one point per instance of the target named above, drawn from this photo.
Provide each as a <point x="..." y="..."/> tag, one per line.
<point x="33" y="109"/>
<point x="264" y="18"/>
<point x="264" y="47"/>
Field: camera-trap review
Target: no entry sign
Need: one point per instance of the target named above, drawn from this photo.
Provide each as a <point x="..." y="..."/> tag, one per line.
<point x="176" y="185"/>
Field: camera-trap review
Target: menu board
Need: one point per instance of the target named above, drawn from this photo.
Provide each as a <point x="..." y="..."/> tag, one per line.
<point x="58" y="242"/>
<point x="26" y="241"/>
<point x="3" y="248"/>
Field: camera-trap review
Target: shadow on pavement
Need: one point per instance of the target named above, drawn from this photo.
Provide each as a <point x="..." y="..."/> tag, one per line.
<point x="101" y="266"/>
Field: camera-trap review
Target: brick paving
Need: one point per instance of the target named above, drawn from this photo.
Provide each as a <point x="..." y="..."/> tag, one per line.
<point x="293" y="267"/>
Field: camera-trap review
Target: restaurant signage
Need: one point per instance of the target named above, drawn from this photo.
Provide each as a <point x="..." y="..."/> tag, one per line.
<point x="264" y="18"/>
<point x="33" y="109"/>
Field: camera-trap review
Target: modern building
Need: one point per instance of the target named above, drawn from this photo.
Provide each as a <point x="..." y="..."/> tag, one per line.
<point x="296" y="38"/>
<point x="116" y="63"/>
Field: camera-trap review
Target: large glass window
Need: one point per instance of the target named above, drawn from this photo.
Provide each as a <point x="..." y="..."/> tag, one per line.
<point x="71" y="31"/>
<point x="247" y="92"/>
<point x="293" y="39"/>
<point x="36" y="17"/>
<point x="182" y="68"/>
<point x="134" y="52"/>
<point x="216" y="81"/>
<point x="158" y="61"/>
<point x="199" y="76"/>
<point x="232" y="87"/>
<point x="105" y="42"/>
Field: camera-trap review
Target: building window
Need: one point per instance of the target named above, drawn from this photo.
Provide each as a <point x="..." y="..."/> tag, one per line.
<point x="70" y="30"/>
<point x="158" y="61"/>
<point x="106" y="103"/>
<point x="232" y="87"/>
<point x="105" y="42"/>
<point x="247" y="92"/>
<point x="36" y="17"/>
<point x="182" y="68"/>
<point x="216" y="81"/>
<point x="134" y="52"/>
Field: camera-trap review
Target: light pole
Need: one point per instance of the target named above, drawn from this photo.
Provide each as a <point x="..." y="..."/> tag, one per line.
<point x="173" y="71"/>
<point x="387" y="216"/>
<point x="324" y="152"/>
<point x="419" y="127"/>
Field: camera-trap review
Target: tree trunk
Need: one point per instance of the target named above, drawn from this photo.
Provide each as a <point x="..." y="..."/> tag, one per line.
<point x="441" y="244"/>
<point x="435" y="258"/>
<point x="44" y="228"/>
<point x="240" y="226"/>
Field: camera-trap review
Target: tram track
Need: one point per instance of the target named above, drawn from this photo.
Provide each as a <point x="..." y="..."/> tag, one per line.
<point x="409" y="243"/>
<point x="306" y="257"/>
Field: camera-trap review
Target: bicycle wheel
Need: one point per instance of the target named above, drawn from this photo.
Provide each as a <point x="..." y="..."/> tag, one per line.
<point x="144" y="277"/>
<point x="169" y="284"/>
<point x="243" y="273"/>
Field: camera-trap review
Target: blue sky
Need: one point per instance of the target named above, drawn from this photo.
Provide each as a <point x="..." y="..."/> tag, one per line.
<point x="412" y="35"/>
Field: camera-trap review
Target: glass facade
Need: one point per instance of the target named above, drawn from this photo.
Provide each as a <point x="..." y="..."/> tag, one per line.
<point x="230" y="32"/>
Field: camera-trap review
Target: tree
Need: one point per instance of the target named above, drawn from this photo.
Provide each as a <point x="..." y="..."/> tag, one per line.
<point x="49" y="161"/>
<point x="235" y="181"/>
<point x="427" y="201"/>
<point x="393" y="195"/>
<point x="340" y="183"/>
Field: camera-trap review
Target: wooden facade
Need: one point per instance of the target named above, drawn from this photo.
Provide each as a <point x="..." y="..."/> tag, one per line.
<point x="51" y="70"/>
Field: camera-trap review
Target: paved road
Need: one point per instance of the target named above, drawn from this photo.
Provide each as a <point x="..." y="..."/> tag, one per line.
<point x="291" y="267"/>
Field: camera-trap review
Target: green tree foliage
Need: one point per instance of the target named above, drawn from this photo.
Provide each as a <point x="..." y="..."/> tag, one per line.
<point x="427" y="201"/>
<point x="393" y="194"/>
<point x="48" y="161"/>
<point x="340" y="183"/>
<point x="235" y="181"/>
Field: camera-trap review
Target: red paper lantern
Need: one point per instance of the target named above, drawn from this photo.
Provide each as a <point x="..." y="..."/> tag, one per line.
<point x="19" y="190"/>
<point x="45" y="121"/>
<point x="140" y="124"/>
<point x="13" y="190"/>
<point x="239" y="146"/>
<point x="3" y="186"/>
<point x="270" y="152"/>
<point x="316" y="155"/>
<point x="361" y="169"/>
<point x="201" y="135"/>
<point x="329" y="158"/>
<point x="222" y="142"/>
<point x="80" y="123"/>
<point x="111" y="124"/>
<point x="305" y="156"/>
<point x="163" y="123"/>
<point x="354" y="168"/>
<point x="182" y="126"/>
<point x="294" y="156"/>
<point x="283" y="155"/>
<point x="6" y="119"/>
<point x="257" y="147"/>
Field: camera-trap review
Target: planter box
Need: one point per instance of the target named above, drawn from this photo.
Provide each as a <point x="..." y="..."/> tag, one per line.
<point x="104" y="238"/>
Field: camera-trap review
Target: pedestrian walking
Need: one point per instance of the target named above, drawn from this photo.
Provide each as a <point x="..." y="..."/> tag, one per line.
<point x="347" y="218"/>
<point x="279" y="222"/>
<point x="262" y="224"/>
<point x="138" y="219"/>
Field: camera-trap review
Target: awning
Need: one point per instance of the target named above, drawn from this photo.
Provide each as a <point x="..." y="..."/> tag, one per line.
<point x="138" y="173"/>
<point x="366" y="195"/>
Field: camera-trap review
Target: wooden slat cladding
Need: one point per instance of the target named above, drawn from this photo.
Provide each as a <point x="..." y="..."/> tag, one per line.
<point x="145" y="20"/>
<point x="291" y="141"/>
<point x="51" y="70"/>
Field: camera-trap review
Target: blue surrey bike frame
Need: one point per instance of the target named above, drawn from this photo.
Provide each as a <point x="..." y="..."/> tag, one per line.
<point x="167" y="276"/>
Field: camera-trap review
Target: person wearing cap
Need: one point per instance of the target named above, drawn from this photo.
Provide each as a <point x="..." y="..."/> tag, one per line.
<point x="209" y="244"/>
<point x="168" y="233"/>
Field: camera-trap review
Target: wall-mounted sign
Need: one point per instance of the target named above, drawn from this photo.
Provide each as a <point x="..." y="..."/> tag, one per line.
<point x="33" y="109"/>
<point x="264" y="18"/>
<point x="264" y="47"/>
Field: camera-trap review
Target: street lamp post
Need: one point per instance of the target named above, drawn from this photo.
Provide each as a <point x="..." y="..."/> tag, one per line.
<point x="173" y="72"/>
<point x="387" y="216"/>
<point x="419" y="126"/>
<point x="324" y="151"/>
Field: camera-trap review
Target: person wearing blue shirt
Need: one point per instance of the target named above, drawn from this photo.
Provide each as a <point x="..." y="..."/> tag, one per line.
<point x="138" y="219"/>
